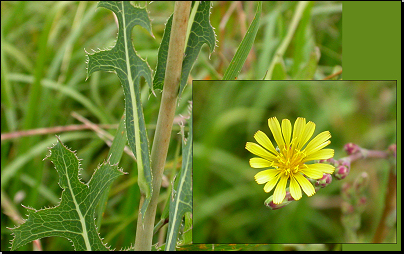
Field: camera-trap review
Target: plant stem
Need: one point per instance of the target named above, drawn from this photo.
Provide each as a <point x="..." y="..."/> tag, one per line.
<point x="389" y="206"/>
<point x="144" y="231"/>
<point x="364" y="154"/>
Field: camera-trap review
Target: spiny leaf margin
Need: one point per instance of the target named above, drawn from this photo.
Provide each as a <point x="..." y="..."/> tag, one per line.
<point x="182" y="196"/>
<point x="129" y="67"/>
<point x="73" y="217"/>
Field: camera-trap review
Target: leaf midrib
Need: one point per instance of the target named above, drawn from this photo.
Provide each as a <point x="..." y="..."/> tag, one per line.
<point x="132" y="94"/>
<point x="178" y="198"/>
<point x="82" y="220"/>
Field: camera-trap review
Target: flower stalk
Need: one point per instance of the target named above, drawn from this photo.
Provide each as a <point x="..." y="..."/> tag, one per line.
<point x="353" y="193"/>
<point x="353" y="205"/>
<point x="390" y="207"/>
<point x="144" y="232"/>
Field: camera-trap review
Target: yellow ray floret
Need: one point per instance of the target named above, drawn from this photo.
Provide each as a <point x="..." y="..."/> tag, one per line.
<point x="288" y="162"/>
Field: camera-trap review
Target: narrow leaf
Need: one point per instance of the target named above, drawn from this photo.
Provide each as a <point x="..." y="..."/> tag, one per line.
<point x="303" y="41"/>
<point x="114" y="155"/>
<point x="245" y="47"/>
<point x="159" y="74"/>
<point x="73" y="218"/>
<point x="129" y="67"/>
<point x="182" y="196"/>
<point x="201" y="32"/>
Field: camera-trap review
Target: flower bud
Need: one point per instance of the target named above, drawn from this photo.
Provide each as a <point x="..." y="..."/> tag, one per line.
<point x="286" y="201"/>
<point x="344" y="162"/>
<point x="341" y="172"/>
<point x="351" y="148"/>
<point x="324" y="181"/>
<point x="332" y="161"/>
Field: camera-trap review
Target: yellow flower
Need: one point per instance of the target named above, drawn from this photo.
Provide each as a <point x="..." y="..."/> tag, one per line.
<point x="288" y="161"/>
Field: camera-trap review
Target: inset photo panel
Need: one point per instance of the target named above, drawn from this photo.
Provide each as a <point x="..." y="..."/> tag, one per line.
<point x="294" y="162"/>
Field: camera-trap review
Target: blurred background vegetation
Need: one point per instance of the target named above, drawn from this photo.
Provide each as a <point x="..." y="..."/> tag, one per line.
<point x="229" y="204"/>
<point x="43" y="80"/>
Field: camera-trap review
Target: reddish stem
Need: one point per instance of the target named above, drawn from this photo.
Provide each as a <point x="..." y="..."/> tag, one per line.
<point x="389" y="206"/>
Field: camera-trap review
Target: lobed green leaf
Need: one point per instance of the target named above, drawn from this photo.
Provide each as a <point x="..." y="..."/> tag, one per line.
<point x="129" y="67"/>
<point x="73" y="218"/>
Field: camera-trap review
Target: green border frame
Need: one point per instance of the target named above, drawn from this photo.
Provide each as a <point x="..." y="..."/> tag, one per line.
<point x="371" y="50"/>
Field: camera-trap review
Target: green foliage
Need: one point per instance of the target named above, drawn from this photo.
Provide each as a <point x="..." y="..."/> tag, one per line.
<point x="73" y="218"/>
<point x="244" y="49"/>
<point x="159" y="74"/>
<point x="181" y="201"/>
<point x="123" y="60"/>
<point x="201" y="32"/>
<point x="114" y="155"/>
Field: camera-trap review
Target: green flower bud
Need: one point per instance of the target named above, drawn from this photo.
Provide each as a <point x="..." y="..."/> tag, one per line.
<point x="286" y="201"/>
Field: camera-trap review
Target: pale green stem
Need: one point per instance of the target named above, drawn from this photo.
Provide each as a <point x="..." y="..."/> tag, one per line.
<point x="301" y="6"/>
<point x="144" y="232"/>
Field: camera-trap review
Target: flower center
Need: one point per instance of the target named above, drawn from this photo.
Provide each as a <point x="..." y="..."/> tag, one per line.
<point x="288" y="161"/>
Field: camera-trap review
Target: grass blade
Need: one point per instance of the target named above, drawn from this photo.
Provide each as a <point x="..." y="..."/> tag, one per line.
<point x="244" y="49"/>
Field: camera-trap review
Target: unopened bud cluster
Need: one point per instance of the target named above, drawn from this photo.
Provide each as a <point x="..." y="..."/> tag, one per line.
<point x="342" y="168"/>
<point x="354" y="201"/>
<point x="341" y="172"/>
<point x="324" y="181"/>
<point x="353" y="193"/>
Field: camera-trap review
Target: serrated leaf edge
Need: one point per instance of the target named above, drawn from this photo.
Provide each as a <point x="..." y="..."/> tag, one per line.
<point x="33" y="210"/>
